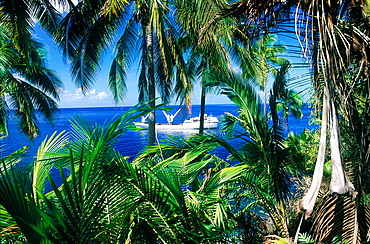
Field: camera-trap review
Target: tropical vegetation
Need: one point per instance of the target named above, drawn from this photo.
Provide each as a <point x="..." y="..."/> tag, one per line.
<point x="274" y="187"/>
<point x="27" y="85"/>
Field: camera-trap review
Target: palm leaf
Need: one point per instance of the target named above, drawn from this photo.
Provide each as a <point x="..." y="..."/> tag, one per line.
<point x="124" y="56"/>
<point x="335" y="216"/>
<point x="19" y="203"/>
<point x="12" y="159"/>
<point x="81" y="207"/>
<point x="29" y="85"/>
<point x="47" y="15"/>
<point x="18" y="21"/>
<point x="44" y="158"/>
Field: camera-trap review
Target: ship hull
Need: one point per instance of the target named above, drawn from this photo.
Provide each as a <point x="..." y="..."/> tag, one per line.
<point x="185" y="126"/>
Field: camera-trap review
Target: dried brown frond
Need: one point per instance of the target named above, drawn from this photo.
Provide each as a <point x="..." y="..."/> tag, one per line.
<point x="335" y="217"/>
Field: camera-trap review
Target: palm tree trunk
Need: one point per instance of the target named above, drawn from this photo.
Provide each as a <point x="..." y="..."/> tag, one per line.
<point x="339" y="182"/>
<point x="202" y="108"/>
<point x="151" y="86"/>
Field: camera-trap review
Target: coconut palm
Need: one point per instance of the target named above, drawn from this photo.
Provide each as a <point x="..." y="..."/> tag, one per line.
<point x="339" y="50"/>
<point x="101" y="197"/>
<point x="339" y="60"/>
<point x="27" y="85"/>
<point x="264" y="53"/>
<point x="291" y="103"/>
<point x="263" y="182"/>
<point x="287" y="100"/>
<point x="145" y="33"/>
<point x="264" y="149"/>
<point x="211" y="49"/>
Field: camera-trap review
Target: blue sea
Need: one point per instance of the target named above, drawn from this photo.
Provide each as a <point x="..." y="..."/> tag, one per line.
<point x="131" y="143"/>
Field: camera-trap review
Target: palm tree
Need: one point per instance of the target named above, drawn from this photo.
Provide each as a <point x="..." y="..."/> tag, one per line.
<point x="290" y="103"/>
<point x="287" y="100"/>
<point x="149" y="35"/>
<point x="264" y="148"/>
<point x="105" y="198"/>
<point x="210" y="49"/>
<point x="220" y="44"/>
<point x="337" y="34"/>
<point x="264" y="55"/>
<point x="334" y="63"/>
<point x="27" y="85"/>
<point x="266" y="166"/>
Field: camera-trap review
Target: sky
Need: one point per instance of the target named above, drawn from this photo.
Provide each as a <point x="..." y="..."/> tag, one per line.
<point x="99" y="95"/>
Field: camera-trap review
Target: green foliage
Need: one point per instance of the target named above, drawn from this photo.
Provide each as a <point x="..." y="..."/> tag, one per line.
<point x="101" y="197"/>
<point x="180" y="192"/>
<point x="262" y="183"/>
<point x="302" y="149"/>
<point x="27" y="85"/>
<point x="305" y="238"/>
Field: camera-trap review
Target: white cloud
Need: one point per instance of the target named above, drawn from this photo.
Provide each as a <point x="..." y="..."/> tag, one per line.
<point x="92" y="98"/>
<point x="102" y="95"/>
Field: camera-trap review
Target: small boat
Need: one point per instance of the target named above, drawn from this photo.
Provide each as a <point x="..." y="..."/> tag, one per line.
<point x="210" y="122"/>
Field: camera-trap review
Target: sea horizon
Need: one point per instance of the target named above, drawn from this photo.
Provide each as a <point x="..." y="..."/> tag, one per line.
<point x="125" y="105"/>
<point x="131" y="143"/>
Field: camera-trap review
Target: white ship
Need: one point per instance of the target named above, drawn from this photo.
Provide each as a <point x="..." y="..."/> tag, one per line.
<point x="210" y="122"/>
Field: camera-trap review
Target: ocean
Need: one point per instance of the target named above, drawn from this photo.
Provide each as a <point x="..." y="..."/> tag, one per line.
<point x="131" y="143"/>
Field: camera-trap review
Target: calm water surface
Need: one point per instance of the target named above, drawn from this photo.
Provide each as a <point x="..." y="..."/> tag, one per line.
<point x="131" y="143"/>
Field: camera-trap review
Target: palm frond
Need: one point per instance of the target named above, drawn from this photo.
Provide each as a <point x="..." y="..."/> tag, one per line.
<point x="27" y="100"/>
<point x="114" y="8"/>
<point x="13" y="158"/>
<point x="82" y="204"/>
<point x="30" y="84"/>
<point x="41" y="77"/>
<point x="269" y="203"/>
<point x="83" y="39"/>
<point x="18" y="21"/>
<point x="18" y="201"/>
<point x="44" y="158"/>
<point x="334" y="217"/>
<point x="124" y="56"/>
<point x="47" y="15"/>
